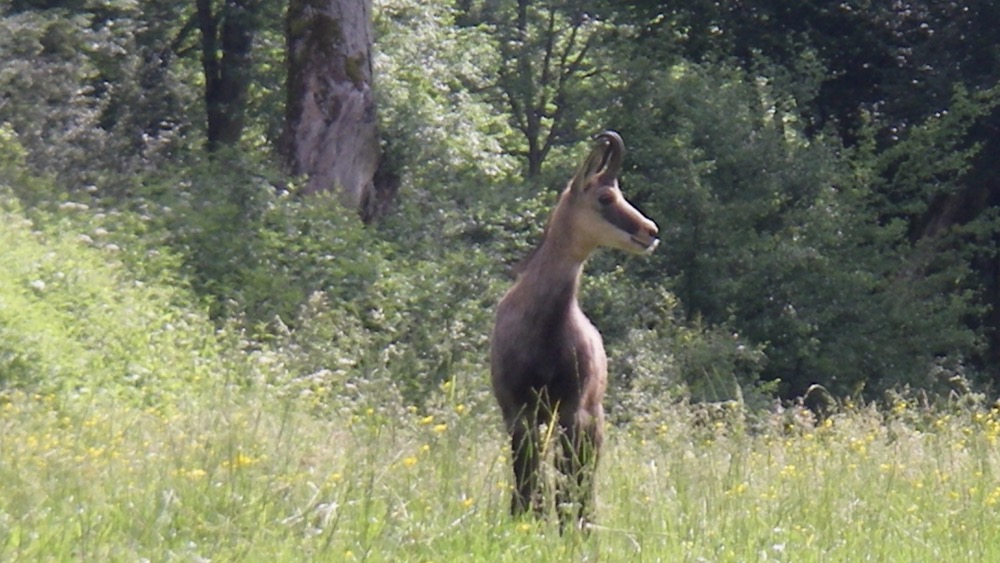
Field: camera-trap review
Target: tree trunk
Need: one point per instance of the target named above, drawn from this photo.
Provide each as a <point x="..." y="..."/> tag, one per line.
<point x="331" y="132"/>
<point x="225" y="59"/>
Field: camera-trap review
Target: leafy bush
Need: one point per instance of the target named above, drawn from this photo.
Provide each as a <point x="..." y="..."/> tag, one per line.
<point x="74" y="321"/>
<point x="421" y="324"/>
<point x="252" y="248"/>
<point x="335" y="306"/>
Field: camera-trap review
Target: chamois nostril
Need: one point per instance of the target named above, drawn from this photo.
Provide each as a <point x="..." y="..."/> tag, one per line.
<point x="652" y="230"/>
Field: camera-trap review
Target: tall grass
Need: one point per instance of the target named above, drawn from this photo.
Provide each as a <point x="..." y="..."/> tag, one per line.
<point x="245" y="477"/>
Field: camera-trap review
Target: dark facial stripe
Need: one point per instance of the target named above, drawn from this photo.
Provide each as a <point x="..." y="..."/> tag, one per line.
<point x="615" y="215"/>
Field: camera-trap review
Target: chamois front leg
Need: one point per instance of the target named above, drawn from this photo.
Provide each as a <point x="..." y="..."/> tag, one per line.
<point x="582" y="437"/>
<point x="526" y="456"/>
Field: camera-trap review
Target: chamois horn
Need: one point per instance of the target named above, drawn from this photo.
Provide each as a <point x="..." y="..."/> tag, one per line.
<point x="612" y="164"/>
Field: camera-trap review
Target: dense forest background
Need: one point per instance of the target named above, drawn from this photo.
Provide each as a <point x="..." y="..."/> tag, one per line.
<point x="822" y="174"/>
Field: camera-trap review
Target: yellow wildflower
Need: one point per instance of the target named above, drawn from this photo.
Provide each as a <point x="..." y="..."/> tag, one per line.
<point x="737" y="489"/>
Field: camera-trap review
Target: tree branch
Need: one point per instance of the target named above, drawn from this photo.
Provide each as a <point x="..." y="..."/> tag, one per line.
<point x="182" y="35"/>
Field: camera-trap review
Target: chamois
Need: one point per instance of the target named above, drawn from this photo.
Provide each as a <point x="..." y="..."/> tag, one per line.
<point x="547" y="361"/>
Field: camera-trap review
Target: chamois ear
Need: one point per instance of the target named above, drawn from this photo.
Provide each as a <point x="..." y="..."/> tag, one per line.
<point x="604" y="159"/>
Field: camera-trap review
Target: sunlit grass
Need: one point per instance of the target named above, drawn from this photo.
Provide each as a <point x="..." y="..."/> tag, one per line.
<point x="245" y="477"/>
<point x="858" y="483"/>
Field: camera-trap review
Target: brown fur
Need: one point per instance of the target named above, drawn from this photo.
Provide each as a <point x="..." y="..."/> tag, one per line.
<point x="547" y="360"/>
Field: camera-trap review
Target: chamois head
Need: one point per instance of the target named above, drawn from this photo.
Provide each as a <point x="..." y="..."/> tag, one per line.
<point x="598" y="212"/>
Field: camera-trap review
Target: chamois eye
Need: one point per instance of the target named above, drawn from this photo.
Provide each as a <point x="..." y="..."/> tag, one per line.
<point x="606" y="199"/>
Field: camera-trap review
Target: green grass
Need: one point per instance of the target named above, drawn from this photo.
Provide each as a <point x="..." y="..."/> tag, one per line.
<point x="73" y="318"/>
<point x="245" y="477"/>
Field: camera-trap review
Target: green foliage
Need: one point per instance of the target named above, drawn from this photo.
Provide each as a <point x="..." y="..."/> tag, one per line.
<point x="443" y="133"/>
<point x="771" y="233"/>
<point x="338" y="306"/>
<point x="265" y="112"/>
<point x="256" y="250"/>
<point x="931" y="159"/>
<point x="669" y="361"/>
<point x="92" y="93"/>
<point x="413" y="330"/>
<point x="74" y="322"/>
<point x="45" y="71"/>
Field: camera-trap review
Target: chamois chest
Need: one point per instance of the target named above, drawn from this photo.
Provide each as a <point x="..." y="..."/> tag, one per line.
<point x="546" y="344"/>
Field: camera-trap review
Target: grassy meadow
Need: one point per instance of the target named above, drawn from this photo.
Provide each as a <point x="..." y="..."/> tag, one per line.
<point x="245" y="476"/>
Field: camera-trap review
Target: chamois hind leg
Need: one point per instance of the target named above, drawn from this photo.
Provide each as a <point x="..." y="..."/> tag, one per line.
<point x="582" y="437"/>
<point x="526" y="456"/>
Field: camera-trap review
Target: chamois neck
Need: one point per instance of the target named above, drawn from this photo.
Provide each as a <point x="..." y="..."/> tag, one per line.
<point x="553" y="275"/>
<point x="555" y="267"/>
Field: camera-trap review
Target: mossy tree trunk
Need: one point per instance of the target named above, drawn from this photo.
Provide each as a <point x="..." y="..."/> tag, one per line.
<point x="331" y="131"/>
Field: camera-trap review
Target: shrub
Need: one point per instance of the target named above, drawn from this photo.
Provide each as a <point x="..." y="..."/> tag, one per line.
<point x="74" y="321"/>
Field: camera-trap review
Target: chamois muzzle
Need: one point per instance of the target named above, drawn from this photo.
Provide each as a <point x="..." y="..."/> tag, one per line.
<point x="647" y="240"/>
<point x="648" y="245"/>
